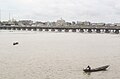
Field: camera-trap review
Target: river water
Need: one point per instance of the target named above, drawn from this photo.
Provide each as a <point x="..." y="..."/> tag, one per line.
<point x="54" y="55"/>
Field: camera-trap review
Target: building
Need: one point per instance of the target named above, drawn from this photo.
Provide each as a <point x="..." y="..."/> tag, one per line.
<point x="60" y="22"/>
<point x="86" y="23"/>
<point x="8" y="23"/>
<point x="79" y="23"/>
<point x="0" y="22"/>
<point x="98" y="24"/>
<point x="25" y="22"/>
<point x="38" y="24"/>
<point x="109" y="24"/>
<point x="68" y="23"/>
<point x="73" y="23"/>
<point x="53" y="24"/>
<point x="117" y="24"/>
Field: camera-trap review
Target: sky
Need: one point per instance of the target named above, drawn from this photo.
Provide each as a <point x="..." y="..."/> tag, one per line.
<point x="70" y="10"/>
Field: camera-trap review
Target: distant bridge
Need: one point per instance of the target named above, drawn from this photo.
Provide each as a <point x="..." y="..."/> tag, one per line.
<point x="89" y="29"/>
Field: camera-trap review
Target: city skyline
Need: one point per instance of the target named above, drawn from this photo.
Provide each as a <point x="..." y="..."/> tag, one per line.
<point x="107" y="11"/>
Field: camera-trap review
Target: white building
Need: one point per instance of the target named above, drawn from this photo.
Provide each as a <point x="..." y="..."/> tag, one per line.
<point x="60" y="22"/>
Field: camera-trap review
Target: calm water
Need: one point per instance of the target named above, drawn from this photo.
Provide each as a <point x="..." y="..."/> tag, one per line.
<point x="43" y="55"/>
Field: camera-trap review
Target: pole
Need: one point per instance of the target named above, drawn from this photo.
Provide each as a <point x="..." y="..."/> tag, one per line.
<point x="9" y="16"/>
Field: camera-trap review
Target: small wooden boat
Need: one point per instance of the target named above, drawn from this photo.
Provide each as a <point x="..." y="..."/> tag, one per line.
<point x="96" y="69"/>
<point x="15" y="43"/>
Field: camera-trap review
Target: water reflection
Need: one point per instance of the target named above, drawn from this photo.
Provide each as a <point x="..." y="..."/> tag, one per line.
<point x="87" y="73"/>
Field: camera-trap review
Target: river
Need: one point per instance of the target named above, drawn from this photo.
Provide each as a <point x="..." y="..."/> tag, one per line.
<point x="54" y="55"/>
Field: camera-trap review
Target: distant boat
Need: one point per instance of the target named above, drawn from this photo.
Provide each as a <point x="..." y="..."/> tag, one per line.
<point x="15" y="43"/>
<point x="102" y="68"/>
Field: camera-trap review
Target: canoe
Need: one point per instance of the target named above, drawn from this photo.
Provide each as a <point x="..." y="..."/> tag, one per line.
<point x="102" y="68"/>
<point x="15" y="43"/>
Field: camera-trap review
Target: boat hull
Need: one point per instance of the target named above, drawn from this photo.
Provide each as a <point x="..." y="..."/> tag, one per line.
<point x="103" y="68"/>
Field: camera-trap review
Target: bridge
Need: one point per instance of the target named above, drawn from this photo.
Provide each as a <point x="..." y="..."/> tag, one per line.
<point x="89" y="29"/>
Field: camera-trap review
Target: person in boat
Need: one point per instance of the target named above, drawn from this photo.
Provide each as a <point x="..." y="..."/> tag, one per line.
<point x="88" y="67"/>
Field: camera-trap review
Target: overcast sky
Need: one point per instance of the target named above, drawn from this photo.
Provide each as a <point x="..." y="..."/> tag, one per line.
<point x="70" y="10"/>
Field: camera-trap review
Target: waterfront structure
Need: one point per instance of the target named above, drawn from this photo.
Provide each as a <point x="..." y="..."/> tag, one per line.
<point x="89" y="29"/>
<point x="61" y="25"/>
<point x="58" y="23"/>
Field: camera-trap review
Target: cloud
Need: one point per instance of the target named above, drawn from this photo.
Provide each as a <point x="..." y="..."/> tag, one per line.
<point x="90" y="10"/>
